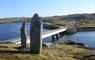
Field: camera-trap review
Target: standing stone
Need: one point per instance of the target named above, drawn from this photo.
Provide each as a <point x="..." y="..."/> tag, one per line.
<point x="23" y="36"/>
<point x="36" y="34"/>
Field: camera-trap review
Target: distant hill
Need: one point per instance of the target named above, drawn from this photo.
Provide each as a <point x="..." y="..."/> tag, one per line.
<point x="76" y="17"/>
<point x="16" y="19"/>
<point x="80" y="17"/>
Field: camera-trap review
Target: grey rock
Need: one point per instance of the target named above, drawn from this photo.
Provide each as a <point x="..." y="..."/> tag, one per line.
<point x="36" y="34"/>
<point x="23" y="35"/>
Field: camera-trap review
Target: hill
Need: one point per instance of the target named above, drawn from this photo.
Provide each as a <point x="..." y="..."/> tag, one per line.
<point x="15" y="19"/>
<point x="79" y="19"/>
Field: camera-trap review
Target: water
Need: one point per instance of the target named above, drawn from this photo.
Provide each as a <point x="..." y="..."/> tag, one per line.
<point x="88" y="38"/>
<point x="9" y="30"/>
<point x="12" y="30"/>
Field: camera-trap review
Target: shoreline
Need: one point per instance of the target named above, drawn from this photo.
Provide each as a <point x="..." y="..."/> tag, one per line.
<point x="14" y="41"/>
<point x="48" y="44"/>
<point x="84" y="29"/>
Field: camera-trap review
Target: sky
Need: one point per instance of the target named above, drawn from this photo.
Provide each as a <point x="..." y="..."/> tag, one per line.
<point x="26" y="8"/>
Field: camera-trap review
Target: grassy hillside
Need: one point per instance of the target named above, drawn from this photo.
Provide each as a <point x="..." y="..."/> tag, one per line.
<point x="16" y="19"/>
<point x="85" y="20"/>
<point x="77" y="17"/>
<point x="82" y="20"/>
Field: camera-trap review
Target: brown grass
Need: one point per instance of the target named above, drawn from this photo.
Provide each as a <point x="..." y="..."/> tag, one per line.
<point x="56" y="52"/>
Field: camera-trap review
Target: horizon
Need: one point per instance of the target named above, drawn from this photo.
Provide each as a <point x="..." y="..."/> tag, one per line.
<point x="45" y="16"/>
<point x="27" y="8"/>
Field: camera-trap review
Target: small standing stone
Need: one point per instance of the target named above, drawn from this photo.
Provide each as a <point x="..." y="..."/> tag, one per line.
<point x="23" y="36"/>
<point x="36" y="34"/>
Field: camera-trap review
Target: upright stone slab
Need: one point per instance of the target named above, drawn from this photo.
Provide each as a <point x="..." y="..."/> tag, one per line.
<point x="36" y="34"/>
<point x="23" y="36"/>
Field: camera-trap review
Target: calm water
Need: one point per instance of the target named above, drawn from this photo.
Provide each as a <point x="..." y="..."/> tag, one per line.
<point x="12" y="30"/>
<point x="88" y="38"/>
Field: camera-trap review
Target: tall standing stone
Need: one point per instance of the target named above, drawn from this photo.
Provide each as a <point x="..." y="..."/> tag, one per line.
<point x="23" y="36"/>
<point x="36" y="34"/>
